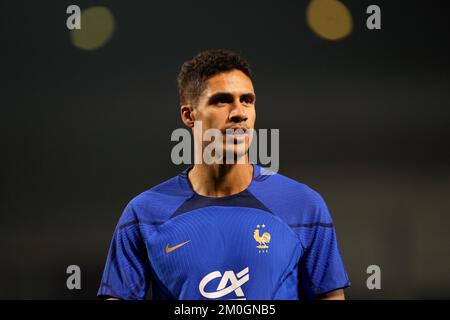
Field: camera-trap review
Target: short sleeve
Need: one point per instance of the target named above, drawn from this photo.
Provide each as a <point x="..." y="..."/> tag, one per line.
<point x="321" y="268"/>
<point x="126" y="274"/>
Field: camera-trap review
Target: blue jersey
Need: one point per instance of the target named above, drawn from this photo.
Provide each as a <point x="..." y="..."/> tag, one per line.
<point x="274" y="240"/>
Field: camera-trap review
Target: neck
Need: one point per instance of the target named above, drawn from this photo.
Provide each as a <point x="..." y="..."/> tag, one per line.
<point x="220" y="180"/>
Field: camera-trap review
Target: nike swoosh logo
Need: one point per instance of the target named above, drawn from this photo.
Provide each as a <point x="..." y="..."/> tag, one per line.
<point x="170" y="249"/>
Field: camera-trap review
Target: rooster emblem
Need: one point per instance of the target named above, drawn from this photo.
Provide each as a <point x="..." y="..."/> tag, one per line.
<point x="263" y="239"/>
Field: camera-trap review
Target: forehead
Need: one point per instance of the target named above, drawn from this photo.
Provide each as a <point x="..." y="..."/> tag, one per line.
<point x="234" y="82"/>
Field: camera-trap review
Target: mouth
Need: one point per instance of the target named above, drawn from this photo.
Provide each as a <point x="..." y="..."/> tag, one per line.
<point x="236" y="134"/>
<point x="236" y="130"/>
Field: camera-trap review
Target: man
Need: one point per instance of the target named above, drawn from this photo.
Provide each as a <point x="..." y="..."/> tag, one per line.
<point x="224" y="231"/>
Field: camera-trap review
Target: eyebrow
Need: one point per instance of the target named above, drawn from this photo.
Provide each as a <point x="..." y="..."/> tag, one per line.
<point x="228" y="96"/>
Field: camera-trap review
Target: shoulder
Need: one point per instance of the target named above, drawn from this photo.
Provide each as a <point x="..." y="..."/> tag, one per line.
<point x="156" y="204"/>
<point x="293" y="201"/>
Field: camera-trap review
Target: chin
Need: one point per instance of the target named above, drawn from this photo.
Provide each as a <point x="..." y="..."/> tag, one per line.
<point x="236" y="152"/>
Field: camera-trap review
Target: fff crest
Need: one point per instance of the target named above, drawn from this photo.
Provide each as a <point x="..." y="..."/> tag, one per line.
<point x="262" y="240"/>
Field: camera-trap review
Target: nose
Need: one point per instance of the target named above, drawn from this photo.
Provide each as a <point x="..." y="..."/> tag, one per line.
<point x="238" y="114"/>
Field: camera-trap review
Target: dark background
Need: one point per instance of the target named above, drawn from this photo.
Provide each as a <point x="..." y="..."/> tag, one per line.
<point x="363" y="120"/>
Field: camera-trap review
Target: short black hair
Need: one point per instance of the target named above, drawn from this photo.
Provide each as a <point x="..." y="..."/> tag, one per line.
<point x="195" y="72"/>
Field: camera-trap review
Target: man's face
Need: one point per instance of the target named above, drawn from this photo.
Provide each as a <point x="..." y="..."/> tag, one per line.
<point x="228" y="102"/>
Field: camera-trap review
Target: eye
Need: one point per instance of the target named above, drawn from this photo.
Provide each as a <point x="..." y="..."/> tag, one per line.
<point x="221" y="100"/>
<point x="247" y="100"/>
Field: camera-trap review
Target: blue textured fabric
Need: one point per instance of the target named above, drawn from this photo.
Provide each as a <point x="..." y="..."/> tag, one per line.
<point x="274" y="240"/>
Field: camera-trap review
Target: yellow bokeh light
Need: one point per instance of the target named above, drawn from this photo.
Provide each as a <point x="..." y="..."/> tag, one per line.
<point x="329" y="19"/>
<point x="97" y="27"/>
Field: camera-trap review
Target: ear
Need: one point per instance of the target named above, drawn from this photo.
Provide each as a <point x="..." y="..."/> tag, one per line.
<point x="187" y="115"/>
